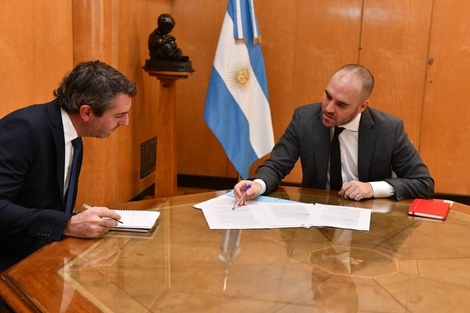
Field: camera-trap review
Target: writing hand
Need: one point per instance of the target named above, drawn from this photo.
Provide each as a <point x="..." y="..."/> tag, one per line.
<point x="250" y="193"/>
<point x="91" y="223"/>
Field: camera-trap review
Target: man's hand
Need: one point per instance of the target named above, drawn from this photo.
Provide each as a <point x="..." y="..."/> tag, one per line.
<point x="251" y="193"/>
<point x="91" y="223"/>
<point x="356" y="190"/>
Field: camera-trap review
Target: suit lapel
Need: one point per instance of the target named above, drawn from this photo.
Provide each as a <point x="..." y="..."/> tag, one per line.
<point x="57" y="130"/>
<point x="366" y="144"/>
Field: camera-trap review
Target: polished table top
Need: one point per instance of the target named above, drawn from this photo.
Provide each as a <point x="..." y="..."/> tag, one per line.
<point x="402" y="264"/>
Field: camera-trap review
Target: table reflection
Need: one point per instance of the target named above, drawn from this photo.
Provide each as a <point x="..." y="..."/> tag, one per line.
<point x="230" y="250"/>
<point x="401" y="264"/>
<point x="122" y="272"/>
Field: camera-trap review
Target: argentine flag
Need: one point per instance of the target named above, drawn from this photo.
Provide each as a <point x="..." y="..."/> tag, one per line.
<point x="237" y="108"/>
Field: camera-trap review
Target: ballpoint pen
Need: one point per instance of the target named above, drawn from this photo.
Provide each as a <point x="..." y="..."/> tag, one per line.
<point x="242" y="197"/>
<point x="89" y="207"/>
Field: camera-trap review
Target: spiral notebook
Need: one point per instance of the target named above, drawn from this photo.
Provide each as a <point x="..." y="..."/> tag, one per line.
<point x="137" y="220"/>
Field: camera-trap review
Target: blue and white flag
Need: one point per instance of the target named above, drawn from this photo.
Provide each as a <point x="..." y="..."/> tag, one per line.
<point x="237" y="107"/>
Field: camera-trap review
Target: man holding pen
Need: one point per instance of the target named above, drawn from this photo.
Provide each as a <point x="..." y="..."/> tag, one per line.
<point x="376" y="158"/>
<point x="40" y="159"/>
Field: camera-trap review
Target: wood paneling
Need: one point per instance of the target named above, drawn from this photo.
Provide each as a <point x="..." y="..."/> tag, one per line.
<point x="445" y="126"/>
<point x="116" y="32"/>
<point x="40" y="43"/>
<point x="36" y="51"/>
<point x="94" y="35"/>
<point x="141" y="17"/>
<point x="303" y="42"/>
<point x="394" y="46"/>
<point x="197" y="34"/>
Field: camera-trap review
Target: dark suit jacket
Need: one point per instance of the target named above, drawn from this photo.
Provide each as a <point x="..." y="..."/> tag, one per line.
<point x="383" y="147"/>
<point x="32" y="153"/>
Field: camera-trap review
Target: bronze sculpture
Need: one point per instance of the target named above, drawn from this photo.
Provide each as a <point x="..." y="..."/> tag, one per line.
<point x="163" y="50"/>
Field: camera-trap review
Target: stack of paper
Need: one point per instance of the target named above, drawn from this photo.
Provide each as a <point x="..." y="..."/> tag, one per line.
<point x="268" y="212"/>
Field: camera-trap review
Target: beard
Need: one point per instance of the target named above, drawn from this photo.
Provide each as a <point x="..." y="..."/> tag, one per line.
<point x="101" y="133"/>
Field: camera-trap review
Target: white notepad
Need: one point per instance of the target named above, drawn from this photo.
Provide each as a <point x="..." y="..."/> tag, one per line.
<point x="137" y="220"/>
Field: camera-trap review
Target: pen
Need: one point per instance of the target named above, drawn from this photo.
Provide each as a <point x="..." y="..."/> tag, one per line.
<point x="89" y="207"/>
<point x="242" y="197"/>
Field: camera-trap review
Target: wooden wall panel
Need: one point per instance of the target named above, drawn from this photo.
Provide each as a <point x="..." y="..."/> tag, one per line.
<point x="394" y="46"/>
<point x="36" y="50"/>
<point x="137" y="19"/>
<point x="303" y="42"/>
<point x="94" y="35"/>
<point x="116" y="32"/>
<point x="321" y="47"/>
<point x="445" y="127"/>
<point x="197" y="34"/>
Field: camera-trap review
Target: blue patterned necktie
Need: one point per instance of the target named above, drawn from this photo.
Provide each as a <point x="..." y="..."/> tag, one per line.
<point x="74" y="172"/>
<point x="336" y="181"/>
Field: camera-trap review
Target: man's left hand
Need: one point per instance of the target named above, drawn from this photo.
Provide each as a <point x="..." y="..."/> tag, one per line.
<point x="356" y="190"/>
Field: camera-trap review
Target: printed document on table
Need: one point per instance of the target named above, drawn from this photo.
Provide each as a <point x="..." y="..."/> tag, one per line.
<point x="223" y="200"/>
<point x="284" y="215"/>
<point x="264" y="212"/>
<point x="222" y="216"/>
<point x="228" y="198"/>
<point x="339" y="216"/>
<point x="269" y="212"/>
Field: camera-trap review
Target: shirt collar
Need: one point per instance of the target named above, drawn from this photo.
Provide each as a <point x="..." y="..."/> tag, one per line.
<point x="69" y="131"/>
<point x="354" y="124"/>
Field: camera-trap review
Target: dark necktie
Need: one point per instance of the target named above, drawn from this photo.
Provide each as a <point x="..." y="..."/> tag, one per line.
<point x="336" y="181"/>
<point x="74" y="172"/>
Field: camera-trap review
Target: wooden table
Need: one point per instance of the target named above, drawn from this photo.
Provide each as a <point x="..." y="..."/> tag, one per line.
<point x="402" y="264"/>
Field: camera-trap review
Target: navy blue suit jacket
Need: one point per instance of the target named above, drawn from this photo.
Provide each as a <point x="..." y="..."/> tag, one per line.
<point x="32" y="153"/>
<point x="383" y="146"/>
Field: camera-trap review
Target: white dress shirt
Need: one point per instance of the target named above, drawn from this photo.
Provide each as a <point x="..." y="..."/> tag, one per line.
<point x="69" y="134"/>
<point x="348" y="142"/>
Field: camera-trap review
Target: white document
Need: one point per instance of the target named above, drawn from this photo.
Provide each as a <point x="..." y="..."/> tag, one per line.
<point x="264" y="212"/>
<point x="339" y="216"/>
<point x="220" y="215"/>
<point x="283" y="215"/>
<point x="269" y="212"/>
<point x="223" y="200"/>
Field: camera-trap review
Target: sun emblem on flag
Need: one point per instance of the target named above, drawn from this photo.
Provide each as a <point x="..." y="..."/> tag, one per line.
<point x="239" y="76"/>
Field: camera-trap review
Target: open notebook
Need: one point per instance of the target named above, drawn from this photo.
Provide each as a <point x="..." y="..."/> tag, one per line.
<point x="137" y="220"/>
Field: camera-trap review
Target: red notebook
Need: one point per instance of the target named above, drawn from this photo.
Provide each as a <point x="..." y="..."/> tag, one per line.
<point x="429" y="208"/>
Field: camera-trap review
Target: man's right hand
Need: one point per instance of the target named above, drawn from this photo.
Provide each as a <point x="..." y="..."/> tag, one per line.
<point x="91" y="223"/>
<point x="251" y="193"/>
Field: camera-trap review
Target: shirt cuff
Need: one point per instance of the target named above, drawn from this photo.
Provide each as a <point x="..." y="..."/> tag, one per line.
<point x="382" y="189"/>
<point x="263" y="185"/>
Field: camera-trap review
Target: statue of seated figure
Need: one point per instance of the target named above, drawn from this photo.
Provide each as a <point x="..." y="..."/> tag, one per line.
<point x="164" y="52"/>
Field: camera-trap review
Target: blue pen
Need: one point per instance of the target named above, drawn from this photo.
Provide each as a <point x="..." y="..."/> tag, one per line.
<point x="242" y="197"/>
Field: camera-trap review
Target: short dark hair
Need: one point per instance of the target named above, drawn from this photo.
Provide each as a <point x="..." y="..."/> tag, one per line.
<point x="94" y="83"/>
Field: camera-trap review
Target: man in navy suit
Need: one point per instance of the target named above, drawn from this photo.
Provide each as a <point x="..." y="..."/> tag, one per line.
<point x="36" y="155"/>
<point x="377" y="158"/>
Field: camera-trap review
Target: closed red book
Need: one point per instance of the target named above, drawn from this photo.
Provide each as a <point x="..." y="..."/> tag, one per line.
<point x="429" y="208"/>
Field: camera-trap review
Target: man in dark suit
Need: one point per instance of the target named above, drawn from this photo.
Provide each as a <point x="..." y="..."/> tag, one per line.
<point x="36" y="158"/>
<point x="377" y="158"/>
